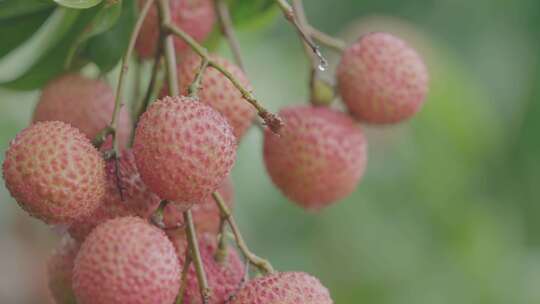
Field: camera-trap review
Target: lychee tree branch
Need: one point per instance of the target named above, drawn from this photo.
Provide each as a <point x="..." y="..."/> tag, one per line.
<point x="262" y="265"/>
<point x="168" y="46"/>
<point x="271" y="120"/>
<point x="196" y="84"/>
<point x="196" y="256"/>
<point x="334" y="43"/>
<point x="183" y="278"/>
<point x="227" y="29"/>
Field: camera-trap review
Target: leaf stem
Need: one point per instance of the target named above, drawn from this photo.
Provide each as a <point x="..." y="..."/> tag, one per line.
<point x="263" y="265"/>
<point x="196" y="256"/>
<point x="227" y="29"/>
<point x="271" y="120"/>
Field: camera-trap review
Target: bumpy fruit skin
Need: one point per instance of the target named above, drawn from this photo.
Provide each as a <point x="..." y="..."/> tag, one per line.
<point x="218" y="92"/>
<point x="60" y="271"/>
<point x="381" y="79"/>
<point x="195" y="17"/>
<point x="87" y="104"/>
<point x="53" y="172"/>
<point x="319" y="158"/>
<point x="284" y="288"/>
<point x="206" y="215"/>
<point x="224" y="278"/>
<point x="184" y="149"/>
<point x="126" y="260"/>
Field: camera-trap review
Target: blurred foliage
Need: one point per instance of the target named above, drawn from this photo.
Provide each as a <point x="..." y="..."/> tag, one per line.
<point x="448" y="210"/>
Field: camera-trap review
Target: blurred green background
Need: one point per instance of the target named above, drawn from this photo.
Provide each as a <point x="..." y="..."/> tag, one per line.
<point x="449" y="209"/>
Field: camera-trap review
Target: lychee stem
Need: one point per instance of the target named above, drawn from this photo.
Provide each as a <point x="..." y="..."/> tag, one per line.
<point x="196" y="256"/>
<point x="271" y="120"/>
<point x="227" y="29"/>
<point x="183" y="279"/>
<point x="221" y="253"/>
<point x="196" y="84"/>
<point x="262" y="265"/>
<point x="168" y="45"/>
<point x="152" y="84"/>
<point x="333" y="43"/>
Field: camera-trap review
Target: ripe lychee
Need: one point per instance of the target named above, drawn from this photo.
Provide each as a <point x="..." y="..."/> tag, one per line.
<point x="218" y="91"/>
<point x="126" y="260"/>
<point x="86" y="104"/>
<point x="206" y="215"/>
<point x="53" y="172"/>
<point x="381" y="79"/>
<point x="60" y="271"/>
<point x="284" y="288"/>
<point x="319" y="158"/>
<point x="195" y="17"/>
<point x="184" y="149"/>
<point x="224" y="278"/>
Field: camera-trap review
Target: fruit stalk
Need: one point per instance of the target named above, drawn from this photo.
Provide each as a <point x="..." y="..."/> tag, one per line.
<point x="183" y="279"/>
<point x="227" y="28"/>
<point x="196" y="84"/>
<point x="271" y="120"/>
<point x="333" y="43"/>
<point x="196" y="256"/>
<point x="221" y="253"/>
<point x="152" y="85"/>
<point x="261" y="264"/>
<point x="168" y="46"/>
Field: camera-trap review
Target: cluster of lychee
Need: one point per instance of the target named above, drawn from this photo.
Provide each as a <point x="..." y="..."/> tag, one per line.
<point x="183" y="150"/>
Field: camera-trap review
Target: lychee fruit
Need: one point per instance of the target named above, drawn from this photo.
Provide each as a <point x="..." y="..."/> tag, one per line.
<point x="126" y="260"/>
<point x="224" y="278"/>
<point x="183" y="149"/>
<point x="87" y="104"/>
<point x="195" y="17"/>
<point x="381" y="79"/>
<point x="54" y="173"/>
<point x="284" y="288"/>
<point x="60" y="271"/>
<point x="206" y="215"/>
<point x="318" y="159"/>
<point x="218" y="91"/>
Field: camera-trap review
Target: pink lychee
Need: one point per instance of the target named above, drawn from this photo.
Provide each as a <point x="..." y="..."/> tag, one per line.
<point x="195" y="17"/>
<point x="87" y="104"/>
<point x="381" y="79"/>
<point x="318" y="159"/>
<point x="53" y="172"/>
<point x="126" y="260"/>
<point x="184" y="149"/>
<point x="284" y="288"/>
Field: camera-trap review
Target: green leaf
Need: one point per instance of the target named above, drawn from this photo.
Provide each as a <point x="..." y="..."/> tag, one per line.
<point x="252" y="13"/>
<point x="52" y="63"/>
<point x="21" y="59"/>
<point x="17" y="8"/>
<point x="107" y="48"/>
<point x="106" y="17"/>
<point x="78" y="4"/>
<point x="17" y="30"/>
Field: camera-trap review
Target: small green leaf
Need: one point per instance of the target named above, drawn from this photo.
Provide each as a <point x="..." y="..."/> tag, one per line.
<point x="17" y="8"/>
<point x="107" y="48"/>
<point x="78" y="4"/>
<point x="21" y="59"/>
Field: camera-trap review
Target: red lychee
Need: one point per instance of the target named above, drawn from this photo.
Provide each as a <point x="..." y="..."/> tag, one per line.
<point x="206" y="215"/>
<point x="381" y="79"/>
<point x="86" y="104"/>
<point x="224" y="278"/>
<point x="284" y="288"/>
<point x="218" y="92"/>
<point x="60" y="271"/>
<point x="195" y="17"/>
<point x="184" y="149"/>
<point x="126" y="260"/>
<point x="319" y="158"/>
<point x="53" y="172"/>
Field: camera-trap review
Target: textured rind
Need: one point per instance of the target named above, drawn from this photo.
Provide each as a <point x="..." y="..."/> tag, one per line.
<point x="284" y="288"/>
<point x="60" y="271"/>
<point x="206" y="215"/>
<point x="126" y="260"/>
<point x="223" y="279"/>
<point x="318" y="159"/>
<point x="54" y="173"/>
<point x="381" y="79"/>
<point x="195" y="17"/>
<point x="183" y="149"/>
<point x="86" y="104"/>
<point x="218" y="91"/>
